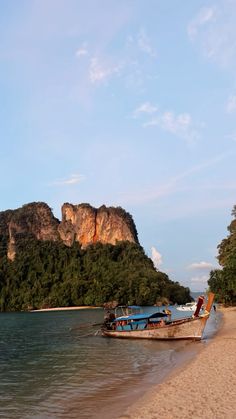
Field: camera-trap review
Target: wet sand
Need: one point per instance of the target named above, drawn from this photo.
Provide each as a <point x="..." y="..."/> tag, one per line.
<point x="205" y="387"/>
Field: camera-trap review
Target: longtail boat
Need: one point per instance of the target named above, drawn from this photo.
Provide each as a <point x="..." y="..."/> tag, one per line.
<point x="158" y="325"/>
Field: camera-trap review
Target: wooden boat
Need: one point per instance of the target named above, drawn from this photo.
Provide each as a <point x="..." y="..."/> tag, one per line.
<point x="158" y="325"/>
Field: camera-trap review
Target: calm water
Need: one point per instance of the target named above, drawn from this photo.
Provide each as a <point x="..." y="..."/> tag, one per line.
<point x="52" y="366"/>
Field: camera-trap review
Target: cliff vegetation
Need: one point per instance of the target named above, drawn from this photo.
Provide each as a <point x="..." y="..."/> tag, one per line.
<point x="50" y="274"/>
<point x="223" y="281"/>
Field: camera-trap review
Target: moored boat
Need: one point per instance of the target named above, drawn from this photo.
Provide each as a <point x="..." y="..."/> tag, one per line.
<point x="158" y="325"/>
<point x="187" y="307"/>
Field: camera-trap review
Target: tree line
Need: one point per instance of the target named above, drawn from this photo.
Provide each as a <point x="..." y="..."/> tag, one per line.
<point x="50" y="274"/>
<point x="223" y="281"/>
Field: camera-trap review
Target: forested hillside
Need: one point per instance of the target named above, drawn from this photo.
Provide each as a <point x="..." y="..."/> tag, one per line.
<point x="223" y="281"/>
<point x="50" y="274"/>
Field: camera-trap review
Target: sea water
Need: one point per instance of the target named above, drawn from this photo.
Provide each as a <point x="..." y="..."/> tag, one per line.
<point x="57" y="365"/>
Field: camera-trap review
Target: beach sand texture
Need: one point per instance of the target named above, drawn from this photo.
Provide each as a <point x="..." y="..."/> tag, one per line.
<point x="206" y="387"/>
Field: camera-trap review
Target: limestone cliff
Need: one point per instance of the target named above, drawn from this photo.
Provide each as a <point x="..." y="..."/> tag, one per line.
<point x="80" y="223"/>
<point x="35" y="219"/>
<point x="87" y="225"/>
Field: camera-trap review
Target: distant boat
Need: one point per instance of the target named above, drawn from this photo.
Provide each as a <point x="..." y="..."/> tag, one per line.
<point x="188" y="307"/>
<point x="158" y="325"/>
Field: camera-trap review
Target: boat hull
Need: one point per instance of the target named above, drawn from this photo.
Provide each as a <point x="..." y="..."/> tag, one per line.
<point x="180" y="329"/>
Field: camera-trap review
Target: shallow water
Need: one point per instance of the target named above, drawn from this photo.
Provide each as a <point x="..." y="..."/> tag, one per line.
<point x="53" y="366"/>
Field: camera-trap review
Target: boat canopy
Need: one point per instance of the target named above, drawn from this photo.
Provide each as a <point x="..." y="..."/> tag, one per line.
<point x="141" y="316"/>
<point x="129" y="310"/>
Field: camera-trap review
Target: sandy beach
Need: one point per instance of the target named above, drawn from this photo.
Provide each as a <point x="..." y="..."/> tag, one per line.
<point x="64" y="308"/>
<point x="205" y="387"/>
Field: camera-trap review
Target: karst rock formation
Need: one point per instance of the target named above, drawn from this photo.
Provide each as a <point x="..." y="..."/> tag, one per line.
<point x="80" y="223"/>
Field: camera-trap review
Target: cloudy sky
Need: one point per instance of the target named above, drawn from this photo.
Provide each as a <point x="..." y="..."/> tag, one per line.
<point x="126" y="103"/>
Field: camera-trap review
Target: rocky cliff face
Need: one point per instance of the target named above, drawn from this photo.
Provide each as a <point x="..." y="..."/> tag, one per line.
<point x="35" y="219"/>
<point x="81" y="223"/>
<point x="88" y="225"/>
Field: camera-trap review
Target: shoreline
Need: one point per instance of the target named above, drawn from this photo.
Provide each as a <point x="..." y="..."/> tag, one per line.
<point x="64" y="308"/>
<point x="205" y="385"/>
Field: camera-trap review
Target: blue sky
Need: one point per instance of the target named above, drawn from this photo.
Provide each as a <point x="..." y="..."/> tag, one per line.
<point x="126" y="103"/>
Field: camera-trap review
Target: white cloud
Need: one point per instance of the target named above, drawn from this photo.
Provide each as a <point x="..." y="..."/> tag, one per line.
<point x="156" y="258"/>
<point x="99" y="72"/>
<point x="180" y="125"/>
<point x="82" y="51"/>
<point x="204" y="16"/>
<point x="231" y="104"/>
<point x="72" y="180"/>
<point x="145" y="108"/>
<point x="201" y="265"/>
<point x="144" y="44"/>
<point x="175" y="124"/>
<point x="214" y="31"/>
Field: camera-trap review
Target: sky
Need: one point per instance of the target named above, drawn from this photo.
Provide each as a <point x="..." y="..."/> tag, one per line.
<point x="127" y="103"/>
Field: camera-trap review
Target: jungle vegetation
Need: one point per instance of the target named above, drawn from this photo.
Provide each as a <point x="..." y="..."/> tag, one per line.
<point x="50" y="274"/>
<point x="223" y="281"/>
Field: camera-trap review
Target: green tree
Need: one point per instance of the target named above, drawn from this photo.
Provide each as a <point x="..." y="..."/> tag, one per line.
<point x="50" y="274"/>
<point x="223" y="282"/>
